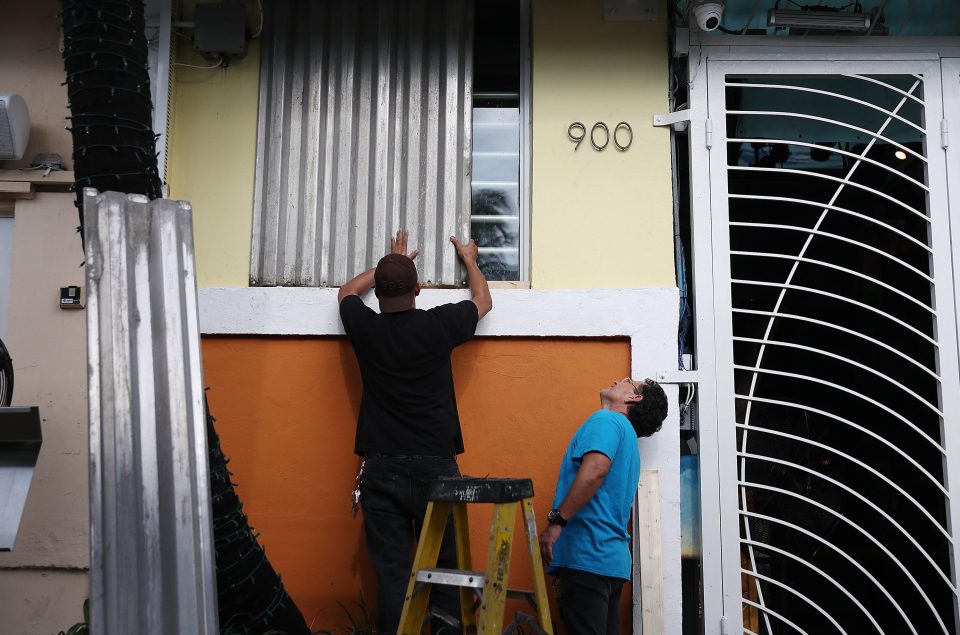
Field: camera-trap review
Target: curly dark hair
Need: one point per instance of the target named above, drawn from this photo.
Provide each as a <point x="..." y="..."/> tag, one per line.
<point x="647" y="416"/>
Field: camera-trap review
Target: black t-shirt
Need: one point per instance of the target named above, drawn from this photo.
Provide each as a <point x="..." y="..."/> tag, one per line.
<point x="408" y="404"/>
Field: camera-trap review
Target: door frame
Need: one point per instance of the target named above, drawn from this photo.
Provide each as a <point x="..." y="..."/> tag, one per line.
<point x="708" y="57"/>
<point x="950" y="77"/>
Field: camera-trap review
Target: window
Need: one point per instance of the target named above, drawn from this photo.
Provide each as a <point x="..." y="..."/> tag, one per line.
<point x="366" y="125"/>
<point x="498" y="221"/>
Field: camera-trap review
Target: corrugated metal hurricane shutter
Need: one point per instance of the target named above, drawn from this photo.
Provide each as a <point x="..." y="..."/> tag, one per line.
<point x="364" y="128"/>
<point x="151" y="534"/>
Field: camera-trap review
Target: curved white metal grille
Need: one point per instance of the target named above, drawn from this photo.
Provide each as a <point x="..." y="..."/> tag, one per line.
<point x="843" y="499"/>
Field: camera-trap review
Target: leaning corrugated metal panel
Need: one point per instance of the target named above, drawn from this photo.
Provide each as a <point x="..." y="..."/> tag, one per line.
<point x="152" y="565"/>
<point x="364" y="127"/>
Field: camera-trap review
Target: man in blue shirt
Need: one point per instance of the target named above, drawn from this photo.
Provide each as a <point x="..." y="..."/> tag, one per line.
<point x="586" y="543"/>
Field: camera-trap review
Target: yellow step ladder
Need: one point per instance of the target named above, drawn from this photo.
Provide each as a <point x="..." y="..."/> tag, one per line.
<point x="451" y="495"/>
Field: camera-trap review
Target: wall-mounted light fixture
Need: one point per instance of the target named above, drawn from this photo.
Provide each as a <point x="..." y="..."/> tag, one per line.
<point x="823" y="20"/>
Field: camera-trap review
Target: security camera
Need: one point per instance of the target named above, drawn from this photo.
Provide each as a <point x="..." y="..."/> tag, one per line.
<point x="708" y="15"/>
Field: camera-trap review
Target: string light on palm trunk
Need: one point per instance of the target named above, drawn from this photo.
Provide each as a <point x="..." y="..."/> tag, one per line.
<point x="108" y="91"/>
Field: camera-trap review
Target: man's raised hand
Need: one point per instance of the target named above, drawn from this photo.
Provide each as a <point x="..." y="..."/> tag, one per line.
<point x="398" y="245"/>
<point x="467" y="253"/>
<point x="479" y="289"/>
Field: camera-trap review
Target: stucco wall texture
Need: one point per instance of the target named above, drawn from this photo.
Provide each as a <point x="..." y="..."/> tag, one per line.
<point x="212" y="150"/>
<point x="43" y="580"/>
<point x="286" y="413"/>
<point x="31" y="66"/>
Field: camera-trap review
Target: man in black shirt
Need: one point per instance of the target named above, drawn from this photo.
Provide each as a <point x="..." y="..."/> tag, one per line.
<point x="408" y="430"/>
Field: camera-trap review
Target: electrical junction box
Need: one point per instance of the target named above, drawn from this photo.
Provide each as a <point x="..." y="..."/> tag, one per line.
<point x="70" y="298"/>
<point x="220" y="30"/>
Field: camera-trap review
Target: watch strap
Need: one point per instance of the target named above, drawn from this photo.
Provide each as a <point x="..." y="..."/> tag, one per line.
<point x="554" y="518"/>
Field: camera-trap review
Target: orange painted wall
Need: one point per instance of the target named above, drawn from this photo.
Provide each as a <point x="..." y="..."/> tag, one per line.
<point x="286" y="411"/>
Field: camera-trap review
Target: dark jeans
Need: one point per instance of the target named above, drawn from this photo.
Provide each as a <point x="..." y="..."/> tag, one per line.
<point x="589" y="603"/>
<point x="393" y="494"/>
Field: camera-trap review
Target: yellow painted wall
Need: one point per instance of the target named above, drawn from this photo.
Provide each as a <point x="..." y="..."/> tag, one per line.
<point x="211" y="157"/>
<point x="599" y="219"/>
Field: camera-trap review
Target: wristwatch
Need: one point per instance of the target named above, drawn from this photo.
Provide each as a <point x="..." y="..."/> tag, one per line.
<point x="554" y="518"/>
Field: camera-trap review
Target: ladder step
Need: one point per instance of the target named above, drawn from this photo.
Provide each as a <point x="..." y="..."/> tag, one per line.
<point x="452" y="577"/>
<point x="468" y="579"/>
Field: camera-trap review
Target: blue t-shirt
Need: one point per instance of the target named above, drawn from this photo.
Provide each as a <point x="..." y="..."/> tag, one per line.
<point x="596" y="538"/>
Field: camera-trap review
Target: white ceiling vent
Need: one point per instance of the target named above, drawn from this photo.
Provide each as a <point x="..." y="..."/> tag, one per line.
<point x="14" y="127"/>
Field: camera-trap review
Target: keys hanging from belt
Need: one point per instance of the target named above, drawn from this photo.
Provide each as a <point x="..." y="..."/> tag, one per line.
<point x="355" y="495"/>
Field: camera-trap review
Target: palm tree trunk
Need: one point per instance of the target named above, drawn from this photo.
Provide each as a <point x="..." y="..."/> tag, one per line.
<point x="108" y="88"/>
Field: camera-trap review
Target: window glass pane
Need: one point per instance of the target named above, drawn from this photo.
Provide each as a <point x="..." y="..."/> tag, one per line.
<point x="495" y="219"/>
<point x="495" y="227"/>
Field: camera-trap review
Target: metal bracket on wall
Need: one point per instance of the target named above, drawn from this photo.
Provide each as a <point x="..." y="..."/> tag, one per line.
<point x="678" y="119"/>
<point x="677" y="377"/>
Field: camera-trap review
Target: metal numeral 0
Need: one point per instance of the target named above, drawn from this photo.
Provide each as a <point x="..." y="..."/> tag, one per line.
<point x="616" y="142"/>
<point x="577" y="132"/>
<point x="593" y="132"/>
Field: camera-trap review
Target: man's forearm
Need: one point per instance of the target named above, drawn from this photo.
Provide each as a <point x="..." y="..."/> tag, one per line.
<point x="583" y="488"/>
<point x="593" y="470"/>
<point x="357" y="286"/>
<point x="479" y="289"/>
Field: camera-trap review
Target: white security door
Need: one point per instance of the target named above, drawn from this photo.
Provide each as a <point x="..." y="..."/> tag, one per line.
<point x="836" y="395"/>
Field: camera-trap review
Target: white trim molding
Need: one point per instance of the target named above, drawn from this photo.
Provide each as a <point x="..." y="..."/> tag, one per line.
<point x="647" y="317"/>
<point x="517" y="312"/>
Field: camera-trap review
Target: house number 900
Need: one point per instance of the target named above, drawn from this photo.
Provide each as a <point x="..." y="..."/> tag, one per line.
<point x="600" y="136"/>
